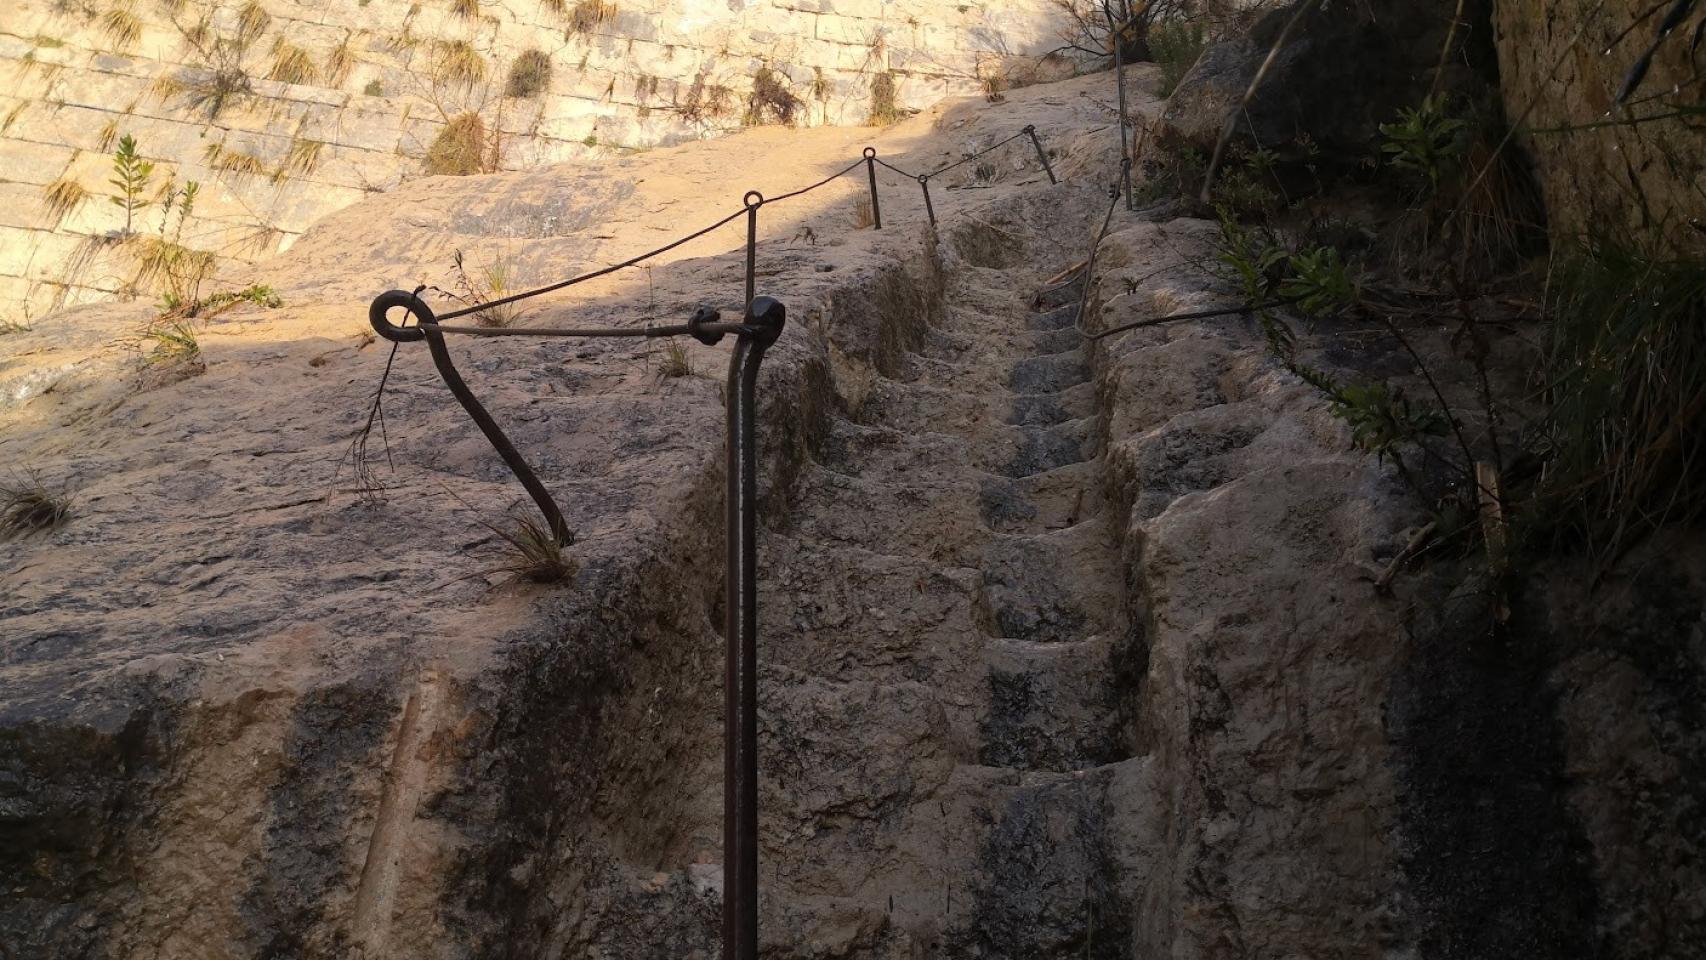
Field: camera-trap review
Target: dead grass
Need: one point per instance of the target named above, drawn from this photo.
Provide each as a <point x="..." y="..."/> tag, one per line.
<point x="171" y="344"/>
<point x="677" y="362"/>
<point x="532" y="552"/>
<point x="466" y="9"/>
<point x="459" y="64"/>
<point x="459" y="150"/>
<point x="304" y="156"/>
<point x="588" y="15"/>
<point x="62" y="197"/>
<point x="291" y="64"/>
<point x="770" y="101"/>
<point x="340" y="62"/>
<point x="237" y="164"/>
<point x="28" y="506"/>
<point x="884" y="110"/>
<point x="121" y="28"/>
<point x="863" y="215"/>
<point x="528" y="75"/>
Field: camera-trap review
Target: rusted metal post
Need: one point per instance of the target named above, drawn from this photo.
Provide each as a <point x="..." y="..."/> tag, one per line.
<point x="753" y="200"/>
<point x="1031" y="131"/>
<point x="924" y="182"/>
<point x="871" y="170"/>
<point x="764" y="321"/>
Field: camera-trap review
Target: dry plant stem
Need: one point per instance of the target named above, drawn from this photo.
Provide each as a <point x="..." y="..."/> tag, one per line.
<point x="1250" y="94"/>
<point x="1421" y="537"/>
<point x="1445" y="51"/>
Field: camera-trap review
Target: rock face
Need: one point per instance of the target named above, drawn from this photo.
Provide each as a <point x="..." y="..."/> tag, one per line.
<point x="1562" y="69"/>
<point x="286" y="112"/>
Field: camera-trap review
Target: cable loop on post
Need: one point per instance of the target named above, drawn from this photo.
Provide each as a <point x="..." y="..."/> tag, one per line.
<point x="748" y="201"/>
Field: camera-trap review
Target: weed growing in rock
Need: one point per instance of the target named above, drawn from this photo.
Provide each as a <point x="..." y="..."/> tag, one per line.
<point x="533" y="552"/>
<point x="489" y="282"/>
<point x="373" y="89"/>
<point x="340" y="62"/>
<point x="174" y="307"/>
<point x="458" y="64"/>
<point x="528" y="75"/>
<point x="466" y="9"/>
<point x="28" y="506"/>
<point x="1424" y="141"/>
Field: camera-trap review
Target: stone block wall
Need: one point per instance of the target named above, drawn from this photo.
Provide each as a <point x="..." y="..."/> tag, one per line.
<point x="327" y="101"/>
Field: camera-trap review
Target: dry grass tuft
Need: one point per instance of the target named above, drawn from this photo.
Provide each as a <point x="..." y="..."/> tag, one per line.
<point x="62" y="197"/>
<point x="238" y="164"/>
<point x="677" y="362"/>
<point x="534" y="553"/>
<point x="459" y="150"/>
<point x="528" y="75"/>
<point x="466" y="9"/>
<point x="588" y="15"/>
<point x="490" y="282"/>
<point x="107" y="137"/>
<point x="121" y="28"/>
<point x="459" y="64"/>
<point x="291" y="64"/>
<point x="340" y="62"/>
<point x="171" y="344"/>
<point x="863" y="215"/>
<point x="304" y="156"/>
<point x="28" y="507"/>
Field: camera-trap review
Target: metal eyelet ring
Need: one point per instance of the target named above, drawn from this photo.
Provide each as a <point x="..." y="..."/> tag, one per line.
<point x="753" y="199"/>
<point x="414" y="305"/>
<point x="870" y="153"/>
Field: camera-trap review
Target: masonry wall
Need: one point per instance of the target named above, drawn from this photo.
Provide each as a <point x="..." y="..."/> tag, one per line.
<point x="373" y="83"/>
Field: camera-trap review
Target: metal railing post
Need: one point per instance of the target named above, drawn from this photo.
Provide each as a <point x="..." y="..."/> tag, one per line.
<point x="871" y="170"/>
<point x="1031" y="131"/>
<point x="764" y="322"/>
<point x="753" y="200"/>
<point x="924" y="182"/>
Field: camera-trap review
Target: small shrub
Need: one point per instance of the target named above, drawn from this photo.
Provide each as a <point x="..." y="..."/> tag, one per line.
<point x="704" y="101"/>
<point x="1424" y="141"/>
<point x="528" y="75"/>
<point x="1176" y="46"/>
<point x="28" y="507"/>
<point x="460" y="148"/>
<point x="62" y="197"/>
<point x="771" y="101"/>
<point x="373" y="89"/>
<point x="291" y="64"/>
<point x="591" y="140"/>
<point x="170" y="266"/>
<point x="1320" y="282"/>
<point x="884" y="111"/>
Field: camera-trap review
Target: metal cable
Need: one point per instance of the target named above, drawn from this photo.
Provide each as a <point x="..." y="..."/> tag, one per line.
<point x="973" y="156"/>
<point x="907" y="174"/>
<point x="841" y="173"/>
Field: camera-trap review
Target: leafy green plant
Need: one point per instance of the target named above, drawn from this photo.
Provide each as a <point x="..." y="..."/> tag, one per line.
<point x="172" y="343"/>
<point x="27" y="506"/>
<point x="1176" y="46"/>
<point x="1424" y="141"/>
<point x="131" y="174"/>
<point x="1382" y="419"/>
<point x="1319" y="282"/>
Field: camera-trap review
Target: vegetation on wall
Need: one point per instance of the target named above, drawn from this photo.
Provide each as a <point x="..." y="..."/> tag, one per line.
<point x="528" y="75"/>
